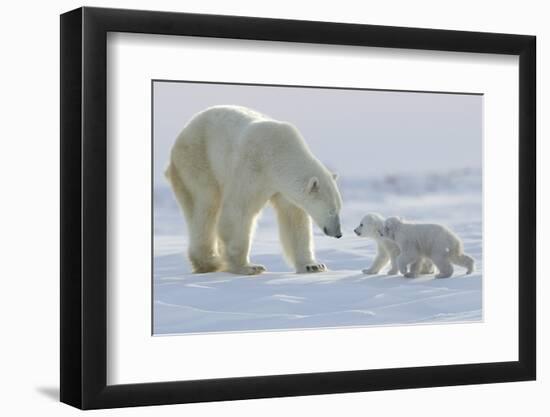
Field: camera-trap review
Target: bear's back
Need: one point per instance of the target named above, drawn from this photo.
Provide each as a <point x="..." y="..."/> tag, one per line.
<point x="231" y="119"/>
<point x="226" y="138"/>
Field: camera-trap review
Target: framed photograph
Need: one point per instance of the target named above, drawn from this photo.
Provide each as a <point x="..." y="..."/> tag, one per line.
<point x="259" y="208"/>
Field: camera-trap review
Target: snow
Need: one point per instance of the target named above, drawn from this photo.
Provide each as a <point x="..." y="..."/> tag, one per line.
<point x="280" y="299"/>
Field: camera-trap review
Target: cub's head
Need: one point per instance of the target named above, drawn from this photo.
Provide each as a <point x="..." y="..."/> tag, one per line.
<point x="391" y="226"/>
<point x="323" y="203"/>
<point x="371" y="226"/>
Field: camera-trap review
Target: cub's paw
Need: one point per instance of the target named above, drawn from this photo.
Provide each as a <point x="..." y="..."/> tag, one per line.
<point x="369" y="271"/>
<point x="312" y="268"/>
<point x="410" y="275"/>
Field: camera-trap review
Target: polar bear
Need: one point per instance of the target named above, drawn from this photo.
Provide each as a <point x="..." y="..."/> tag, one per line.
<point x="225" y="165"/>
<point x="372" y="226"/>
<point x="432" y="241"/>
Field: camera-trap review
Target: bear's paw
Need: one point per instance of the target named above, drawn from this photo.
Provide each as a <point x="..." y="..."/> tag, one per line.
<point x="312" y="268"/>
<point x="250" y="269"/>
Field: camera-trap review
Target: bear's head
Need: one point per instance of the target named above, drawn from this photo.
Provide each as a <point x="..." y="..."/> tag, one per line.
<point x="391" y="227"/>
<point x="323" y="203"/>
<point x="372" y="226"/>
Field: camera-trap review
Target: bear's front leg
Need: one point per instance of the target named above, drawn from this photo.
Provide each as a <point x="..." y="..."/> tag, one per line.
<point x="235" y="231"/>
<point x="296" y="236"/>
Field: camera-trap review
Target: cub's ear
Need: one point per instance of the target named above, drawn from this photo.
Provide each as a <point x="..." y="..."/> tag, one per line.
<point x="334" y="176"/>
<point x="313" y="185"/>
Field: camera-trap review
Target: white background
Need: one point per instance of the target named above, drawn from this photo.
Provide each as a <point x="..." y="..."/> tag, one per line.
<point x="133" y="60"/>
<point x="29" y="308"/>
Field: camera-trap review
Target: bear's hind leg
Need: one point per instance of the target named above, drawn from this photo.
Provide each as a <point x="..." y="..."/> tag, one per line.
<point x="203" y="241"/>
<point x="235" y="229"/>
<point x="201" y="210"/>
<point x="296" y="235"/>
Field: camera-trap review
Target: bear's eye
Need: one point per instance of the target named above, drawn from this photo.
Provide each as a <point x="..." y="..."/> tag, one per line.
<point x="361" y="225"/>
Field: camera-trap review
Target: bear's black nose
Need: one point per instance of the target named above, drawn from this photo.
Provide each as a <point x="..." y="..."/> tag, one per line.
<point x="325" y="231"/>
<point x="338" y="236"/>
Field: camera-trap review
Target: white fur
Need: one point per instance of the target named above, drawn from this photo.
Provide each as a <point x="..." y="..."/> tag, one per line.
<point x="431" y="241"/>
<point x="225" y="165"/>
<point x="372" y="226"/>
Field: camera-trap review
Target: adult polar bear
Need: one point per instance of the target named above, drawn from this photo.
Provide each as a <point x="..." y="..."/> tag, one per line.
<point x="225" y="165"/>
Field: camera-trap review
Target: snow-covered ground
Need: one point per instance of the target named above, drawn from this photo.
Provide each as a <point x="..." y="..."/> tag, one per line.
<point x="281" y="299"/>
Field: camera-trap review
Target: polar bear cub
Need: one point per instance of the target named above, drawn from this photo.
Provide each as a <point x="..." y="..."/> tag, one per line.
<point x="432" y="241"/>
<point x="371" y="227"/>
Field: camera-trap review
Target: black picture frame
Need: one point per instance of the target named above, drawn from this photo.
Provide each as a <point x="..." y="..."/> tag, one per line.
<point x="84" y="207"/>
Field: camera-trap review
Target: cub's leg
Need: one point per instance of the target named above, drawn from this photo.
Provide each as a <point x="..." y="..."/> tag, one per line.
<point x="296" y="235"/>
<point x="442" y="262"/>
<point x="393" y="254"/>
<point x="426" y="267"/>
<point x="422" y="266"/>
<point x="414" y="269"/>
<point x="465" y="261"/>
<point x="406" y="257"/>
<point x="381" y="259"/>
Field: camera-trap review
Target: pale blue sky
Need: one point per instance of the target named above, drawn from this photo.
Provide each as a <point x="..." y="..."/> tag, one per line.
<point x="356" y="133"/>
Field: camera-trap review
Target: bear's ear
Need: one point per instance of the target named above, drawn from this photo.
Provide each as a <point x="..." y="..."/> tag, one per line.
<point x="313" y="185"/>
<point x="334" y="176"/>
